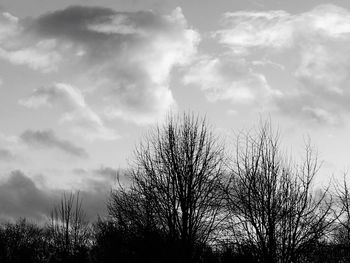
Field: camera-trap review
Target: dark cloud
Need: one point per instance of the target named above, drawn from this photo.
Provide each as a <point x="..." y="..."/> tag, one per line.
<point x="71" y="22"/>
<point x="47" y="139"/>
<point x="20" y="196"/>
<point x="6" y="155"/>
<point x="77" y="23"/>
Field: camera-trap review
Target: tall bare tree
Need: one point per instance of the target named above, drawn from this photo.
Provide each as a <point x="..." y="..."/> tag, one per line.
<point x="274" y="208"/>
<point x="178" y="170"/>
<point x="69" y="229"/>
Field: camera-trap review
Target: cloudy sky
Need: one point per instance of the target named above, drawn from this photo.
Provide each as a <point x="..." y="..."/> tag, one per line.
<point x="82" y="80"/>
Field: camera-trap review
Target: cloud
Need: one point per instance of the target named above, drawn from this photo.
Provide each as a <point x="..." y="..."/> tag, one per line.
<point x="47" y="139"/>
<point x="10" y="150"/>
<point x="8" y="26"/>
<point x="103" y="176"/>
<point x="86" y="122"/>
<point x="20" y="197"/>
<point x="313" y="45"/>
<point x="8" y="139"/>
<point x="38" y="55"/>
<point x="108" y="172"/>
<point x="225" y="78"/>
<point x="321" y="116"/>
<point x="6" y="155"/>
<point x="126" y="57"/>
<point x="23" y="196"/>
<point x="245" y="30"/>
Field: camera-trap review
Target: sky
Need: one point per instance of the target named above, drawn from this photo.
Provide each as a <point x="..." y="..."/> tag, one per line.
<point x="82" y="81"/>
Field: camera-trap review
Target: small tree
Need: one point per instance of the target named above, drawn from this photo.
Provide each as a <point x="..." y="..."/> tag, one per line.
<point x="178" y="173"/>
<point x="69" y="230"/>
<point x="342" y="228"/>
<point x="272" y="202"/>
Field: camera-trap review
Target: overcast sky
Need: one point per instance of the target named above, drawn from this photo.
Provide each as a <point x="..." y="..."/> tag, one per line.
<point x="82" y="80"/>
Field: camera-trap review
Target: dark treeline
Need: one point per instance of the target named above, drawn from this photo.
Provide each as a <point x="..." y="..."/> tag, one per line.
<point x="193" y="200"/>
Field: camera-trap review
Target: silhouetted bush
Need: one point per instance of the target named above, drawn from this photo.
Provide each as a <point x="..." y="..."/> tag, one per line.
<point x="114" y="242"/>
<point x="23" y="242"/>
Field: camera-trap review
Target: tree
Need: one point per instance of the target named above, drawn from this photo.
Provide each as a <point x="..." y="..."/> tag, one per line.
<point x="69" y="230"/>
<point x="274" y="208"/>
<point x="22" y="242"/>
<point x="178" y="172"/>
<point x="131" y="233"/>
<point x="132" y="212"/>
<point x="342" y="229"/>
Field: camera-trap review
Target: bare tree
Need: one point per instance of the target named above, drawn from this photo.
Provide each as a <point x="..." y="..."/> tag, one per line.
<point x="342" y="194"/>
<point x="274" y="208"/>
<point x="68" y="226"/>
<point x="342" y="212"/>
<point x="178" y="171"/>
<point x="131" y="211"/>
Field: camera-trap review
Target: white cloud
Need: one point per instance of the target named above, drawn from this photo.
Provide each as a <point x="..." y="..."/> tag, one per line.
<point x="40" y="57"/>
<point x="8" y="139"/>
<point x="8" y="26"/>
<point x="279" y="29"/>
<point x="325" y="66"/>
<point x="126" y="56"/>
<point x="85" y="121"/>
<point x="329" y="20"/>
<point x="229" y="79"/>
<point x="315" y="45"/>
<point x="266" y="62"/>
<point x="244" y="30"/>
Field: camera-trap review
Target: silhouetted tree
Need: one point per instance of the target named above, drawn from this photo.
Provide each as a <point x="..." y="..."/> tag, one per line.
<point x="23" y="242"/>
<point x="272" y="202"/>
<point x="109" y="243"/>
<point x="342" y="227"/>
<point x="132" y="212"/>
<point x="177" y="176"/>
<point x="133" y="228"/>
<point x="69" y="230"/>
<point x="185" y="205"/>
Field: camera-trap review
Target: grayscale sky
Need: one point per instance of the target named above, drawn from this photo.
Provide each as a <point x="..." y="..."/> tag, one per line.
<point x="81" y="81"/>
